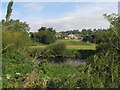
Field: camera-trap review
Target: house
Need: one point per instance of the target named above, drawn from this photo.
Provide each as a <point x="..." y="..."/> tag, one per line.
<point x="75" y="36"/>
<point x="58" y="35"/>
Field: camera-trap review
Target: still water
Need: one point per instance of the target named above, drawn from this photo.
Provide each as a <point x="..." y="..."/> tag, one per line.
<point x="61" y="60"/>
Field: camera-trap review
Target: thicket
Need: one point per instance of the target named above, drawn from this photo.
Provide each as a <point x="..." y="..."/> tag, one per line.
<point x="100" y="71"/>
<point x="54" y="50"/>
<point x="15" y="69"/>
<point x="16" y="63"/>
<point x="44" y="35"/>
<point x="14" y="40"/>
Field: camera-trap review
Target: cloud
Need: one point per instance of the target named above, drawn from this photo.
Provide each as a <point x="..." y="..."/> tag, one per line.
<point x="2" y="13"/>
<point x="82" y="17"/>
<point x="33" y="7"/>
<point x="70" y="23"/>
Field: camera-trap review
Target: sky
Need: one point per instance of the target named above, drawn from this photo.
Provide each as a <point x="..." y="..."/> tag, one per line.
<point x="62" y="16"/>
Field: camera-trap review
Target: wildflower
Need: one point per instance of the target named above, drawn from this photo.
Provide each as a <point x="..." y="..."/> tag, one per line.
<point x="8" y="76"/>
<point x="18" y="73"/>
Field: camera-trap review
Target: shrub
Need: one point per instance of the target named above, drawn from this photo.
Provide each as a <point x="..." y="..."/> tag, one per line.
<point x="57" y="76"/>
<point x="102" y="72"/>
<point x="15" y="40"/>
<point x="15" y="67"/>
<point x="34" y="52"/>
<point x="44" y="35"/>
<point x="54" y="50"/>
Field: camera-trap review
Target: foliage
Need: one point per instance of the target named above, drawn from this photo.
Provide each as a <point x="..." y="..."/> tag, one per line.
<point x="16" y="40"/>
<point x="112" y="40"/>
<point x="54" y="50"/>
<point x="71" y="32"/>
<point x="100" y="36"/>
<point x="34" y="52"/>
<point x="103" y="68"/>
<point x="84" y="54"/>
<point x="15" y="67"/>
<point x="113" y="35"/>
<point x="15" y="25"/>
<point x="9" y="10"/>
<point x="44" y="35"/>
<point x="102" y="72"/>
<point x="52" y="76"/>
<point x="86" y="32"/>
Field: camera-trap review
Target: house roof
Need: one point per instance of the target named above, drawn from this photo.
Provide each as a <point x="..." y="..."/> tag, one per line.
<point x="76" y="35"/>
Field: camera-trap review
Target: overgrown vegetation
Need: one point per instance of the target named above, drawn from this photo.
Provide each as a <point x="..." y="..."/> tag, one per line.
<point x="54" y="50"/>
<point x="15" y="69"/>
<point x="101" y="69"/>
<point x="44" y="35"/>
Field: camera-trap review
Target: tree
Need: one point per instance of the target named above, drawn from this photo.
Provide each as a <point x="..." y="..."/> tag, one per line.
<point x="113" y="34"/>
<point x="9" y="10"/>
<point x="15" y="25"/>
<point x="44" y="35"/>
<point x="100" y="36"/>
<point x="14" y="32"/>
<point x="47" y="29"/>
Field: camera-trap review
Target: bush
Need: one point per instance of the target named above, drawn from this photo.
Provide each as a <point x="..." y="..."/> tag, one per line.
<point x="15" y="67"/>
<point x="54" y="50"/>
<point x="102" y="72"/>
<point x="84" y="54"/>
<point x="44" y="35"/>
<point x="34" y="52"/>
<point x="15" y="40"/>
<point x="57" y="76"/>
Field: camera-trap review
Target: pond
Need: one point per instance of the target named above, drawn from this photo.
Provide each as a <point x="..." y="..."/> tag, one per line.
<point x="61" y="60"/>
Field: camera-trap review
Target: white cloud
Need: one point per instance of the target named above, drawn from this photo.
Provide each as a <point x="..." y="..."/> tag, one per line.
<point x="81" y="17"/>
<point x="70" y="23"/>
<point x="33" y="7"/>
<point x="2" y="13"/>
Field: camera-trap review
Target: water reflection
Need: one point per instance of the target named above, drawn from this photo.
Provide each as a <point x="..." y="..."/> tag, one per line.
<point x="61" y="60"/>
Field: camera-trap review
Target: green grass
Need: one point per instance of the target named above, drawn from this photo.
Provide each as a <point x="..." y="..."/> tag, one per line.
<point x="81" y="47"/>
<point x="71" y="44"/>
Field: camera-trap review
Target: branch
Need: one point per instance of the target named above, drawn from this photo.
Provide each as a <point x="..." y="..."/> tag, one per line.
<point x="6" y="47"/>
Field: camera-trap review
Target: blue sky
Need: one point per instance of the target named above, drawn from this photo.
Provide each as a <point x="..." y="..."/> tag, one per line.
<point x="62" y="15"/>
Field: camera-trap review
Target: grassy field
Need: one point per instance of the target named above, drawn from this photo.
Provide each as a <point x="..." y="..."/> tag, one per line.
<point x="72" y="44"/>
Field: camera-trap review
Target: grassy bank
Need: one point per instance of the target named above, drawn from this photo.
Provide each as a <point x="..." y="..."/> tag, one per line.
<point x="74" y="49"/>
<point x="71" y="44"/>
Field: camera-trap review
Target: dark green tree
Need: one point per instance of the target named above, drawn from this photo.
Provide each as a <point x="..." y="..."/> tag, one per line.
<point x="9" y="10"/>
<point x="44" y="35"/>
<point x="15" y="25"/>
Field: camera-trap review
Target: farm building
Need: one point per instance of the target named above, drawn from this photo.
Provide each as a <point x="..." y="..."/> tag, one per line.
<point x="75" y="36"/>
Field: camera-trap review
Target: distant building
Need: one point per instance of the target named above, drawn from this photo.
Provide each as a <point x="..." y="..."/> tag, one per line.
<point x="58" y="35"/>
<point x="66" y="38"/>
<point x="75" y="36"/>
